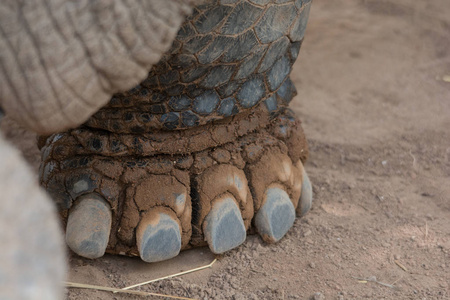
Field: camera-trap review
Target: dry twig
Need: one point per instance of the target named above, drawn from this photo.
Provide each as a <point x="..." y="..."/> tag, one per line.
<point x="171" y="276"/>
<point x="414" y="160"/>
<point x="110" y="289"/>
<point x="401" y="266"/>
<point x="127" y="290"/>
<point x="374" y="279"/>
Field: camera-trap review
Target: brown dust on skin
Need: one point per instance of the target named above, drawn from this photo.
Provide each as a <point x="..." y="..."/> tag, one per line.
<point x="137" y="182"/>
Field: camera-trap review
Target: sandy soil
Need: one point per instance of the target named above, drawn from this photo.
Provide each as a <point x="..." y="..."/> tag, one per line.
<point x="375" y="105"/>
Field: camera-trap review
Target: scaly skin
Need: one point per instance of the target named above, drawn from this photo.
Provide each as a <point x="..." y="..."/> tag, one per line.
<point x="199" y="152"/>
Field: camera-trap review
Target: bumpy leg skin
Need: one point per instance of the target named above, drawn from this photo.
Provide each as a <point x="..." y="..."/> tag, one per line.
<point x="200" y="152"/>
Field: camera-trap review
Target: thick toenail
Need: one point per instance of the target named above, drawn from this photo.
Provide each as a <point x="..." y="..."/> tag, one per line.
<point x="88" y="226"/>
<point x="306" y="196"/>
<point x="158" y="237"/>
<point x="276" y="216"/>
<point x="223" y="226"/>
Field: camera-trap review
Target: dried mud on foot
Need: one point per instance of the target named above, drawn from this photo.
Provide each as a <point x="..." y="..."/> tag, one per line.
<point x="376" y="112"/>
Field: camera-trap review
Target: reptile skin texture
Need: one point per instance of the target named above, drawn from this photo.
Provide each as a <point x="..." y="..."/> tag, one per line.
<point x="202" y="152"/>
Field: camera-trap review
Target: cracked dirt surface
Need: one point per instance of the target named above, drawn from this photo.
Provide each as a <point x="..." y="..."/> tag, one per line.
<point x="376" y="110"/>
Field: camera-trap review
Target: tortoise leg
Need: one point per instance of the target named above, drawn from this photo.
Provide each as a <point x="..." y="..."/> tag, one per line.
<point x="201" y="151"/>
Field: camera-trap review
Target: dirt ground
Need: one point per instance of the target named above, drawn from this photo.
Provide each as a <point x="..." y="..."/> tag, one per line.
<point x="374" y="96"/>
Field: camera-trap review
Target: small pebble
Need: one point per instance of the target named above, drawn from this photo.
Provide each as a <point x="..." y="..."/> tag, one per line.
<point x="307" y="233"/>
<point x="312" y="265"/>
<point x="318" y="296"/>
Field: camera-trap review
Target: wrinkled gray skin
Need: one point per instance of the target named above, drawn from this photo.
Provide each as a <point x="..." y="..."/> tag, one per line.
<point x="60" y="62"/>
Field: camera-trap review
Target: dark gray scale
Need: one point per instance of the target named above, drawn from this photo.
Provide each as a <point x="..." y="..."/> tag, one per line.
<point x="179" y="103"/>
<point x="186" y="31"/>
<point x="228" y="107"/>
<point x="271" y="103"/>
<point x="225" y="2"/>
<point x="171" y="120"/>
<point x="300" y="3"/>
<point x="275" y="22"/>
<point x="183" y="61"/>
<point x="295" y="49"/>
<point x="196" y="43"/>
<point x="275" y="51"/>
<point x="260" y="2"/>
<point x="174" y="90"/>
<point x="194" y="74"/>
<point x="228" y="89"/>
<point x="189" y="119"/>
<point x="211" y="19"/>
<point x="215" y="49"/>
<point x="217" y="76"/>
<point x="157" y="98"/>
<point x="176" y="47"/>
<point x="298" y="30"/>
<point x="242" y="46"/>
<point x="250" y="64"/>
<point x="193" y="91"/>
<point x="169" y="78"/>
<point x="79" y="184"/>
<point x="287" y="91"/>
<point x="206" y="103"/>
<point x="241" y="18"/>
<point x="251" y="92"/>
<point x="278" y="73"/>
<point x="157" y="109"/>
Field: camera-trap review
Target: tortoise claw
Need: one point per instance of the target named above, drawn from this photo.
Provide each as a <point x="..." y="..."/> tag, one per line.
<point x="158" y="237"/>
<point x="224" y="228"/>
<point x="89" y="226"/>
